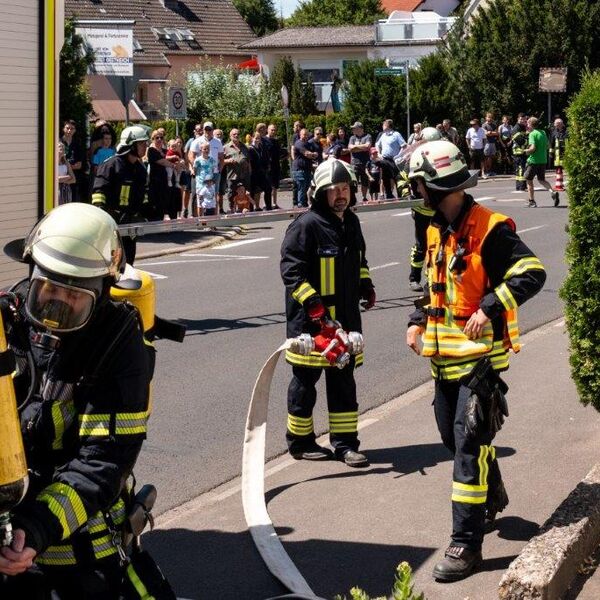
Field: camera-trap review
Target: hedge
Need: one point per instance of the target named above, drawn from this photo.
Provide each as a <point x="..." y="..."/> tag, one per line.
<point x="581" y="289"/>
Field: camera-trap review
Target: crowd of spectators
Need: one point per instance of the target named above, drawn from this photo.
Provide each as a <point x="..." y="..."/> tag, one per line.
<point x="196" y="177"/>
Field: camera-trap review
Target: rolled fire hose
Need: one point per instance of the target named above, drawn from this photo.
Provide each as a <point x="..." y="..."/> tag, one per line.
<point x="258" y="520"/>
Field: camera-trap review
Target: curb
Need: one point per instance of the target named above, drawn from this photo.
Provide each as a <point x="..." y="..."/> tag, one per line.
<point x="216" y="238"/>
<point x="547" y="565"/>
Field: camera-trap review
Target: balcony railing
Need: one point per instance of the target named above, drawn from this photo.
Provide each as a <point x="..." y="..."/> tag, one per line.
<point x="407" y="30"/>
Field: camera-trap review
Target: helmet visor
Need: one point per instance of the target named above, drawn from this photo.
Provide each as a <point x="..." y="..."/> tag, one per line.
<point x="57" y="306"/>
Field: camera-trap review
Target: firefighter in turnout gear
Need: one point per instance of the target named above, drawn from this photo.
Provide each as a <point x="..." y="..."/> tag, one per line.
<point x="82" y="378"/>
<point x="479" y="272"/>
<point x="325" y="273"/>
<point x="520" y="143"/>
<point x="558" y="139"/>
<point x="120" y="183"/>
<point x="422" y="217"/>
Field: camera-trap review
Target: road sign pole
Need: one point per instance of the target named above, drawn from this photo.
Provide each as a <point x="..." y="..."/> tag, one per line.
<point x="176" y="128"/>
<point x="407" y="103"/>
<point x="549" y="108"/>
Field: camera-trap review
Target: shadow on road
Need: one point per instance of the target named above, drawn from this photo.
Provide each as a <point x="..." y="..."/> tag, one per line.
<point x="211" y="565"/>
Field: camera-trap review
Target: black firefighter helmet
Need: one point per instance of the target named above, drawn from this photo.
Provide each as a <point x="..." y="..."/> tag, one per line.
<point x="329" y="173"/>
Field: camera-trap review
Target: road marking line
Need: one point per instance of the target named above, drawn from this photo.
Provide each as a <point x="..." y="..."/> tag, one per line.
<point x="206" y="260"/>
<point x="244" y="242"/>
<point x="510" y="199"/>
<point x="220" y="255"/>
<point x="519" y="191"/>
<point x="484" y="198"/>
<point x="392" y="264"/>
<point x="403" y="214"/>
<point x="155" y="275"/>
<point x="531" y="229"/>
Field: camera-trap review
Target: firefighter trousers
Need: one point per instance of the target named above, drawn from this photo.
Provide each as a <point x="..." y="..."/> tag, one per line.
<point x="100" y="582"/>
<point x="520" y="161"/>
<point x="476" y="472"/>
<point x="341" y="403"/>
<point x="417" y="252"/>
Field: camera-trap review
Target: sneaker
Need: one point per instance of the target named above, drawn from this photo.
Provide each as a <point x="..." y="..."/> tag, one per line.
<point x="415" y="286"/>
<point x="532" y="204"/>
<point x="484" y="176"/>
<point x="355" y="459"/>
<point x="185" y="213"/>
<point x="457" y="564"/>
<point x="313" y="452"/>
<point x="556" y="198"/>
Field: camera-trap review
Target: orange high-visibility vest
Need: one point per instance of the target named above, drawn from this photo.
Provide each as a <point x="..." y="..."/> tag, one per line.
<point x="455" y="296"/>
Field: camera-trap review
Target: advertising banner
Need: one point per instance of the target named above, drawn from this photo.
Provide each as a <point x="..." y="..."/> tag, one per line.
<point x="113" y="50"/>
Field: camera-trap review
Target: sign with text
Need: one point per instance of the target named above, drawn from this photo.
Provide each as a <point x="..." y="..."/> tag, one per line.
<point x="177" y="103"/>
<point x="397" y="71"/>
<point x="113" y="50"/>
<point x="553" y="80"/>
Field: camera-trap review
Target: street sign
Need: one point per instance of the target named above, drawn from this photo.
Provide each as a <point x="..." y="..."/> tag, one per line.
<point x="177" y="103"/>
<point x="396" y="71"/>
<point x="553" y="80"/>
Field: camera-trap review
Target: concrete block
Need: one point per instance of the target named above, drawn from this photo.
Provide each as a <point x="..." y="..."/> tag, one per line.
<point x="547" y="565"/>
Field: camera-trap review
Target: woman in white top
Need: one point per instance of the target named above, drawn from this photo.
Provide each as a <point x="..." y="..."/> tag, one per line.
<point x="417" y="135"/>
<point x="475" y="140"/>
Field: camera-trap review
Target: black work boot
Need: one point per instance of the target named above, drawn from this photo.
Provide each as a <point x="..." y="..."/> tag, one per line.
<point x="312" y="452"/>
<point x="355" y="459"/>
<point x="457" y="564"/>
<point x="496" y="502"/>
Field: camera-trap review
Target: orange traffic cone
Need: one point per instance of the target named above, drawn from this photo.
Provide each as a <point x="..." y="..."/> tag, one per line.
<point x="558" y="184"/>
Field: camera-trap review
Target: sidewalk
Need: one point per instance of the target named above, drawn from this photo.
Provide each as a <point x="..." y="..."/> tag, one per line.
<point x="345" y="527"/>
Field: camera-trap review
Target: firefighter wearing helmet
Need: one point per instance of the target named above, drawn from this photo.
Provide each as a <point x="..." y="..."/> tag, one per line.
<point x="120" y="183"/>
<point x="478" y="272"/>
<point x="422" y="217"/>
<point x="325" y="273"/>
<point x="82" y="379"/>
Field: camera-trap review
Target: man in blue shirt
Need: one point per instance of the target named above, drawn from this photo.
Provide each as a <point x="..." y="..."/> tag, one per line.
<point x="389" y="145"/>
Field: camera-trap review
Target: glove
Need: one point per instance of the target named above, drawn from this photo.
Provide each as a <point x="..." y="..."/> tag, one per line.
<point x="315" y="309"/>
<point x="369" y="297"/>
<point x="498" y="410"/>
<point x="474" y="417"/>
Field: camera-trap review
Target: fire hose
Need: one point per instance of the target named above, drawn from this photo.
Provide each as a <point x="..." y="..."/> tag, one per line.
<point x="337" y="346"/>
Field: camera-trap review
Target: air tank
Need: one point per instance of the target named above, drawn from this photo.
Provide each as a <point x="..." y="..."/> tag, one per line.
<point x="13" y="467"/>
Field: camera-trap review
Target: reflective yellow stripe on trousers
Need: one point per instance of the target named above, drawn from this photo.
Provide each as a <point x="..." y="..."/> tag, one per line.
<point x="327" y="276"/>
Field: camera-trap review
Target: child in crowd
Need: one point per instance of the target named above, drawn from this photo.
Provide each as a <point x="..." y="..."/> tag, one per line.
<point x="204" y="167"/>
<point x="242" y="201"/>
<point x="373" y="170"/>
<point x="103" y="153"/>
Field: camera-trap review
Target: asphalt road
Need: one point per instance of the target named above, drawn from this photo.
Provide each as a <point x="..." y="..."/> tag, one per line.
<point x="231" y="299"/>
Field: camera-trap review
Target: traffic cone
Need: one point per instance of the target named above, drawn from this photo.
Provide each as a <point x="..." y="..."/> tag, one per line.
<point x="558" y="184"/>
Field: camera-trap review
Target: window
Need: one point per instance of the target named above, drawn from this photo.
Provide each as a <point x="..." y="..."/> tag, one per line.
<point x="166" y="36"/>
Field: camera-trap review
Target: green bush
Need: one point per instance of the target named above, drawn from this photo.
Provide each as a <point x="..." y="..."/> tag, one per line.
<point x="403" y="588"/>
<point x="581" y="290"/>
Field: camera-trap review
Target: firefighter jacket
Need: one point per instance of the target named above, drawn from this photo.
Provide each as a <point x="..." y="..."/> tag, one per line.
<point x="323" y="255"/>
<point x="83" y="409"/>
<point x="558" y="140"/>
<point x="520" y="139"/>
<point x="476" y="262"/>
<point x="120" y="188"/>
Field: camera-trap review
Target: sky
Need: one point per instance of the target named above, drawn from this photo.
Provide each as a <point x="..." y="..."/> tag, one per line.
<point x="287" y="6"/>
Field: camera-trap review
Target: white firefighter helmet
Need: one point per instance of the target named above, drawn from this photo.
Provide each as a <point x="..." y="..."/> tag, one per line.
<point x="442" y="166"/>
<point x="77" y="253"/>
<point x="430" y="134"/>
<point x="77" y="240"/>
<point x="130" y="135"/>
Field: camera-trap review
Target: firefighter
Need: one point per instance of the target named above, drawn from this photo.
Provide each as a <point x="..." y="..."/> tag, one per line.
<point x="325" y="273"/>
<point x="120" y="183"/>
<point x="82" y="380"/>
<point x="558" y="139"/>
<point x="519" y="145"/>
<point x="422" y="217"/>
<point x="479" y="271"/>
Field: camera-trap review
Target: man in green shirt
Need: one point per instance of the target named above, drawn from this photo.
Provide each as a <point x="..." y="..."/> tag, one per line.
<point x="536" y="161"/>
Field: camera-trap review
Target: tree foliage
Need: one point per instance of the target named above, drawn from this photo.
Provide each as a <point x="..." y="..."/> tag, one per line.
<point x="223" y="91"/>
<point x="370" y="98"/>
<point x="581" y="290"/>
<point x="313" y="13"/>
<point x="302" y="98"/>
<point x="494" y="64"/>
<point x="75" y="58"/>
<point x="259" y="14"/>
